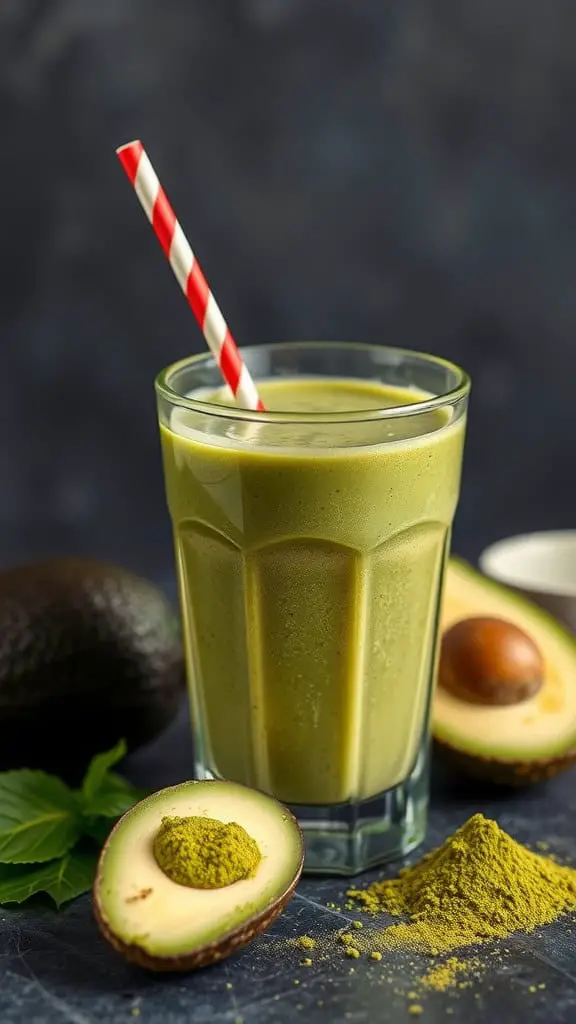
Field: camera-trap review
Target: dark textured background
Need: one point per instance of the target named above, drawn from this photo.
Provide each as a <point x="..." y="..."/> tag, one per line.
<point x="400" y="171"/>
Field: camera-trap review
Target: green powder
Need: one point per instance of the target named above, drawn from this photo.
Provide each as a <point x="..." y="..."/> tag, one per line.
<point x="204" y="853"/>
<point x="445" y="975"/>
<point x="479" y="885"/>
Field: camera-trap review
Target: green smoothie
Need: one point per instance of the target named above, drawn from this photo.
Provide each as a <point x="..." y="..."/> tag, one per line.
<point x="310" y="558"/>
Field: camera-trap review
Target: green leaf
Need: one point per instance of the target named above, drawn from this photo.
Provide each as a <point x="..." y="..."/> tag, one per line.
<point x="113" y="796"/>
<point x="107" y="808"/>
<point x="99" y="768"/>
<point x="98" y="828"/>
<point x="39" y="817"/>
<point x="62" y="879"/>
<point x="116" y="796"/>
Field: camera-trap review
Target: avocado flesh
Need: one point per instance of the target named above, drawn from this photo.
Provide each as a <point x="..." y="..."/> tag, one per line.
<point x="541" y="728"/>
<point x="163" y="925"/>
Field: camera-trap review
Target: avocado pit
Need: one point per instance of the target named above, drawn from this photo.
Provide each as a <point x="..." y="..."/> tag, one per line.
<point x="489" y="660"/>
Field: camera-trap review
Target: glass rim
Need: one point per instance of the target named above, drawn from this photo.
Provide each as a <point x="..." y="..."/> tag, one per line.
<point x="233" y="412"/>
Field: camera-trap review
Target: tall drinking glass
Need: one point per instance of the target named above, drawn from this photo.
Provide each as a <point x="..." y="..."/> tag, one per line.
<point x="311" y="542"/>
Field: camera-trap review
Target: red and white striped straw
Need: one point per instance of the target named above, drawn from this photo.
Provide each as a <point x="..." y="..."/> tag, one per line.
<point x="154" y="201"/>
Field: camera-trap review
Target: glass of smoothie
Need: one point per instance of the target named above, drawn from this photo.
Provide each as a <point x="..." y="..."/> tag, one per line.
<point x="311" y="542"/>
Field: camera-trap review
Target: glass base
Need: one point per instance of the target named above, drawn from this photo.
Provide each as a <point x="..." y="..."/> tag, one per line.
<point x="345" y="839"/>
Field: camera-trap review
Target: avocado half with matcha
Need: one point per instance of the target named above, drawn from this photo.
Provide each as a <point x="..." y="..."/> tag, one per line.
<point x="512" y="740"/>
<point x="194" y="872"/>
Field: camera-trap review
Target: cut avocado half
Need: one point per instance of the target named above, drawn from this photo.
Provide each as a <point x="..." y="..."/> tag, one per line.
<point x="524" y="742"/>
<point x="165" y="926"/>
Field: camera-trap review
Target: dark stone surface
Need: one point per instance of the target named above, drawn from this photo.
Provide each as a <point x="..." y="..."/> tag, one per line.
<point x="55" y="968"/>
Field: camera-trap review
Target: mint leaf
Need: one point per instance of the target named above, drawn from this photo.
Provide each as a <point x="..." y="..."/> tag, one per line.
<point x="41" y="820"/>
<point x="116" y="795"/>
<point x="39" y="817"/>
<point x="104" y="793"/>
<point x="105" y="811"/>
<point x="62" y="879"/>
<point x="98" y="828"/>
<point x="99" y="768"/>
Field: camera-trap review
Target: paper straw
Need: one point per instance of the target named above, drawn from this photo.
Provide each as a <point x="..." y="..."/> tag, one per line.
<point x="154" y="201"/>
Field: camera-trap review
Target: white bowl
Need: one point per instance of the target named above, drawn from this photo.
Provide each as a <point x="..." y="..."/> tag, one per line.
<point x="542" y="566"/>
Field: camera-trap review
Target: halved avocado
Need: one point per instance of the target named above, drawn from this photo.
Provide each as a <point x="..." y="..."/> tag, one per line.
<point x="160" y="924"/>
<point x="520" y="743"/>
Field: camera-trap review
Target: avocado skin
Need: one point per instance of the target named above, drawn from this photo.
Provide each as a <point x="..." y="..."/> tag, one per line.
<point x="89" y="653"/>
<point x="204" y="955"/>
<point x="505" y="772"/>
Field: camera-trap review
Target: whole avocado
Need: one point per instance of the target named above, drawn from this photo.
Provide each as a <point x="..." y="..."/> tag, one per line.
<point x="89" y="653"/>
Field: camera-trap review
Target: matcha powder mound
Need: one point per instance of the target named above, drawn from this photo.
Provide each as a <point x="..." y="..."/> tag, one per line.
<point x="205" y="853"/>
<point x="479" y="885"/>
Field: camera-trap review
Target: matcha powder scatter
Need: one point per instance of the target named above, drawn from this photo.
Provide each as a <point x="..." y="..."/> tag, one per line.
<point x="479" y="885"/>
<point x="446" y="975"/>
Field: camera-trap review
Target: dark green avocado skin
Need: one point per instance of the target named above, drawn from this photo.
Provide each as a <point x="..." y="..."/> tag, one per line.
<point x="89" y="653"/>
